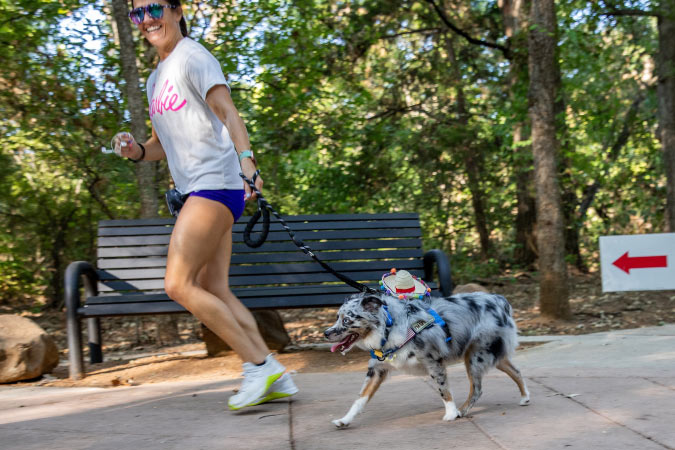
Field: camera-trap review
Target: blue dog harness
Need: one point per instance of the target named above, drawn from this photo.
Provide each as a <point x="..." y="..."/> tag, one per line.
<point x="413" y="331"/>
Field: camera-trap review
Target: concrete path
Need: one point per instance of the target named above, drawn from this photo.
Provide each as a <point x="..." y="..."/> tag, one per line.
<point x="602" y="391"/>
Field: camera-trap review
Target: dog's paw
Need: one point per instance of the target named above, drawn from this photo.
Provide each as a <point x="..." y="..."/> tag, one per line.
<point x="451" y="414"/>
<point x="524" y="401"/>
<point x="449" y="417"/>
<point x="340" y="424"/>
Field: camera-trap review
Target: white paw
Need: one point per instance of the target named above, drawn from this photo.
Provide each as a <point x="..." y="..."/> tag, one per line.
<point x="524" y="401"/>
<point x="451" y="415"/>
<point x="340" y="424"/>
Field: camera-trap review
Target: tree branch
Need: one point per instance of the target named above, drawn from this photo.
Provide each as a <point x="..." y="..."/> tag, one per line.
<point x="614" y="151"/>
<point x="403" y="33"/>
<point x="630" y="12"/>
<point x="446" y="20"/>
<point x="613" y="10"/>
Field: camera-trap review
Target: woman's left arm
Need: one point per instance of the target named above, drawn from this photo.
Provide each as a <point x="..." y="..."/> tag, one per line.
<point x="219" y="100"/>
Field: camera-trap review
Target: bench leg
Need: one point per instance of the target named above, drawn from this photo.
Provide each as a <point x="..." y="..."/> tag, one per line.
<point x="76" y="361"/>
<point x="95" y="352"/>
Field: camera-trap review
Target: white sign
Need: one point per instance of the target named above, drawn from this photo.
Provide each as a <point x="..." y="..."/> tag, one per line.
<point x="643" y="262"/>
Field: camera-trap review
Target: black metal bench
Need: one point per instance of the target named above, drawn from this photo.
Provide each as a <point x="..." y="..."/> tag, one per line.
<point x="129" y="275"/>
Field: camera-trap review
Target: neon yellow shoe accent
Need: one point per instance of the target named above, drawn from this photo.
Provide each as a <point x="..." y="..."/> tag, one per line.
<point x="270" y="380"/>
<point x="272" y="396"/>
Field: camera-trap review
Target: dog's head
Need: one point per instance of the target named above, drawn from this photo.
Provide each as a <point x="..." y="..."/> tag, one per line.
<point x="357" y="318"/>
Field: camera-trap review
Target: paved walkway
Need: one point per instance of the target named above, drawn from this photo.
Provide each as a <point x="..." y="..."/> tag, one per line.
<point x="603" y="391"/>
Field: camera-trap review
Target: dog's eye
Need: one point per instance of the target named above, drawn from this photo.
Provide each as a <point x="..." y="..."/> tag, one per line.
<point x="346" y="321"/>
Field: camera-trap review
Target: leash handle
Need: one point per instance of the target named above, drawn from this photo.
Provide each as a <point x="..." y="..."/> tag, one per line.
<point x="262" y="212"/>
<point x="265" y="207"/>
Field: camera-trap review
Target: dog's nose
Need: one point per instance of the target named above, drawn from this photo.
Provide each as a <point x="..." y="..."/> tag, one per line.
<point x="327" y="332"/>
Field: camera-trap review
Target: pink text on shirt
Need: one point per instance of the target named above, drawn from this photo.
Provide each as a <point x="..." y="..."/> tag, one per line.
<point x="165" y="101"/>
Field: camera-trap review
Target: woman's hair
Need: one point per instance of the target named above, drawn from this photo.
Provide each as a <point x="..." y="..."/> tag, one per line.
<point x="182" y="24"/>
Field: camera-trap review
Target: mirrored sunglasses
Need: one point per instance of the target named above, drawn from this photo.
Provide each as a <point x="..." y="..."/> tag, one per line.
<point x="154" y="10"/>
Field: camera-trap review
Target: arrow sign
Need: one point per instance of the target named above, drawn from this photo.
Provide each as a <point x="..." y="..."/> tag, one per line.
<point x="625" y="262"/>
<point x="621" y="256"/>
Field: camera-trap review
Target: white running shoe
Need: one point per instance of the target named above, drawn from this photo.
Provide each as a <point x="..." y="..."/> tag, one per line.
<point x="257" y="381"/>
<point x="283" y="387"/>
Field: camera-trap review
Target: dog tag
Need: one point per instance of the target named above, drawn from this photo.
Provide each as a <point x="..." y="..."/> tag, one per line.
<point x="421" y="325"/>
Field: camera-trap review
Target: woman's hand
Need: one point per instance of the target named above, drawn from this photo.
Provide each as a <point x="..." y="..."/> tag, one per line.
<point x="125" y="146"/>
<point x="248" y="169"/>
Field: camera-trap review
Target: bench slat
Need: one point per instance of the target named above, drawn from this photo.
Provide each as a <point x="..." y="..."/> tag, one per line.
<point x="259" y="270"/>
<point x="290" y="219"/>
<point x="158" y="284"/>
<point x="415" y="243"/>
<point x="297" y="256"/>
<point x="244" y="293"/>
<point x="273" y="236"/>
<point x="274" y="226"/>
<point x="122" y="309"/>
<point x="171" y="307"/>
<point x="161" y="250"/>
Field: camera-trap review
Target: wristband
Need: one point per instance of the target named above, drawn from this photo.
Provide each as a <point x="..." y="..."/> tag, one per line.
<point x="247" y="154"/>
<point x="142" y="154"/>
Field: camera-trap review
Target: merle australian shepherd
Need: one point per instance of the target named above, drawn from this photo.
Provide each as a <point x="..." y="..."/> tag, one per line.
<point x="477" y="327"/>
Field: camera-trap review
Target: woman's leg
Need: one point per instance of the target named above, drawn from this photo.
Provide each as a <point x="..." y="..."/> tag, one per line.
<point x="214" y="277"/>
<point x="200" y="223"/>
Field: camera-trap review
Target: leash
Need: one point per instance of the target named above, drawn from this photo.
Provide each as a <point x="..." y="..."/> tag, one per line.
<point x="264" y="209"/>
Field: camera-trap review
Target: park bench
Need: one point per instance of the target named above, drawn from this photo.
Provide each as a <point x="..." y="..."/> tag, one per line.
<point x="128" y="278"/>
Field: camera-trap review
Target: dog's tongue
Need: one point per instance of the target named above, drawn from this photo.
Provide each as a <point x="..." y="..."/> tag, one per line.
<point x="341" y="343"/>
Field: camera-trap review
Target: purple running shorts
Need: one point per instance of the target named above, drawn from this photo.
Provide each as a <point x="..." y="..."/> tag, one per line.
<point x="233" y="199"/>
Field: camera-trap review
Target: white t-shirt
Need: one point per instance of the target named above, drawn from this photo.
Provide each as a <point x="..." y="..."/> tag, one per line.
<point x="198" y="147"/>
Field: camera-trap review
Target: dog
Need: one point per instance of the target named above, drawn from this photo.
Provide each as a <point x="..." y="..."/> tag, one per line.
<point x="476" y="327"/>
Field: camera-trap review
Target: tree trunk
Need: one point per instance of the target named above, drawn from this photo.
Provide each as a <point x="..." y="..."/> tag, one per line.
<point x="666" y="94"/>
<point x="526" y="213"/>
<point x="553" y="292"/>
<point x="136" y="99"/>
<point x="514" y="14"/>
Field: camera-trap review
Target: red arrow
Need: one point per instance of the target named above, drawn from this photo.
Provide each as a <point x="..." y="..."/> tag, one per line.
<point x="626" y="263"/>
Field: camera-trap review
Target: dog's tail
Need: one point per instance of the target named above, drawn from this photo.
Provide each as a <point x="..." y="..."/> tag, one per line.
<point x="511" y="339"/>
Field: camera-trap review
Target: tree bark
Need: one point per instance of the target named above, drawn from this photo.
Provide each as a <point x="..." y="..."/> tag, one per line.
<point x="146" y="172"/>
<point x="666" y="94"/>
<point x="553" y="292"/>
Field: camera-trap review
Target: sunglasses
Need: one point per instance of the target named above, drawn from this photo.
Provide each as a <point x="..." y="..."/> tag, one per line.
<point x="154" y="10"/>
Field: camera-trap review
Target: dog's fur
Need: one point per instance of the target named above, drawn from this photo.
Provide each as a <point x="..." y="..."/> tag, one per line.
<point x="481" y="326"/>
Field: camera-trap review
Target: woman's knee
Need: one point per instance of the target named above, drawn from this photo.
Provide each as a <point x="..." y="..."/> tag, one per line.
<point x="177" y="289"/>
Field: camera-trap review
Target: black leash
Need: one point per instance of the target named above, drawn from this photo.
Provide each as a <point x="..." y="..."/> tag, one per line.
<point x="264" y="209"/>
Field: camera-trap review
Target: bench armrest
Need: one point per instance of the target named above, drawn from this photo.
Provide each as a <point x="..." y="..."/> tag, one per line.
<point x="437" y="257"/>
<point x="72" y="284"/>
<point x="72" y="300"/>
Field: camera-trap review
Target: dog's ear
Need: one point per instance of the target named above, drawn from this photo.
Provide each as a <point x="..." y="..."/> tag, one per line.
<point x="371" y="303"/>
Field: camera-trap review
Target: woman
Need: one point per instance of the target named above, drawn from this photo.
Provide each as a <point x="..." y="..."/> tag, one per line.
<point x="196" y="126"/>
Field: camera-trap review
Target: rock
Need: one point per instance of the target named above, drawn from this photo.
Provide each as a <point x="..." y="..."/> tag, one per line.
<point x="26" y="350"/>
<point x="469" y="287"/>
<point x="271" y="328"/>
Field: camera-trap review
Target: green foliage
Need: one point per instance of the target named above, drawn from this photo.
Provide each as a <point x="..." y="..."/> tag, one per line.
<point x="352" y="106"/>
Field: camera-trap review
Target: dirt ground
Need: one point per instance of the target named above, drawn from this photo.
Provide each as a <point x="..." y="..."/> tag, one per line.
<point x="136" y="354"/>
